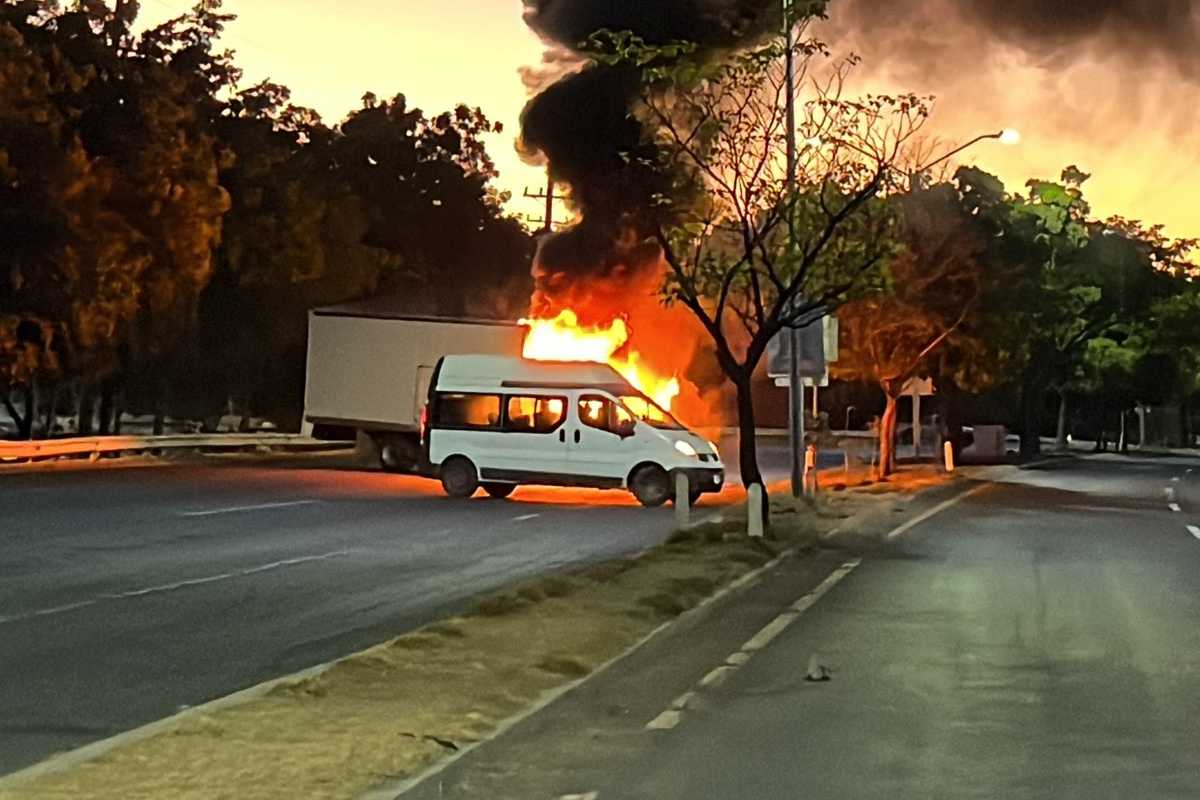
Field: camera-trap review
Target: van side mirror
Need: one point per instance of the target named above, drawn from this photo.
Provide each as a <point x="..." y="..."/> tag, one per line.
<point x="625" y="428"/>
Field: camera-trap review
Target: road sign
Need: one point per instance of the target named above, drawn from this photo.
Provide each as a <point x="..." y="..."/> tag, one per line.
<point x="812" y="360"/>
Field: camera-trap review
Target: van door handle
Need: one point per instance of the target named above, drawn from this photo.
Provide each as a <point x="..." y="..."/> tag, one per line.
<point x="576" y="437"/>
<point x="562" y="436"/>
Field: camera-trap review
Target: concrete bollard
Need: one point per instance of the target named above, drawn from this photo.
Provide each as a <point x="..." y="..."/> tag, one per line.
<point x="948" y="454"/>
<point x="754" y="512"/>
<point x="810" y="470"/>
<point x="682" y="506"/>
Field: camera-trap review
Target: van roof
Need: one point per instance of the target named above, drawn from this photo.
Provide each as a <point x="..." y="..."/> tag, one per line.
<point x="462" y="371"/>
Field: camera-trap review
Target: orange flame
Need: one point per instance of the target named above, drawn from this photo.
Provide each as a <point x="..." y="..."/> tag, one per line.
<point x="564" y="339"/>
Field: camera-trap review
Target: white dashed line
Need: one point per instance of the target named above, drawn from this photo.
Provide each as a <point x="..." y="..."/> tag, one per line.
<point x="1170" y="490"/>
<point x="240" y="509"/>
<point x="1176" y="479"/>
<point x="1194" y="531"/>
<point x="171" y="587"/>
<point x="1174" y="507"/>
<point x="526" y="517"/>
<point x="674" y="715"/>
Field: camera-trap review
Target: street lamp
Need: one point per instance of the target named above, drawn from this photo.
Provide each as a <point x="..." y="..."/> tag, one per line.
<point x="848" y="410"/>
<point x="1008" y="136"/>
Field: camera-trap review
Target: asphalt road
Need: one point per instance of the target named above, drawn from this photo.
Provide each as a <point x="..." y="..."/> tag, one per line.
<point x="1038" y="639"/>
<point x="128" y="593"/>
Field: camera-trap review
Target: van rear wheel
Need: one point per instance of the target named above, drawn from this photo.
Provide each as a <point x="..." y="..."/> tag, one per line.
<point x="651" y="485"/>
<point x="499" y="490"/>
<point x="460" y="479"/>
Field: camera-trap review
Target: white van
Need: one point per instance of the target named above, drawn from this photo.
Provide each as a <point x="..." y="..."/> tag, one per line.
<point x="497" y="422"/>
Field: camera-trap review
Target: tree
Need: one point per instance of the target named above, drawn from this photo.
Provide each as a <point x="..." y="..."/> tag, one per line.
<point x="896" y="333"/>
<point x="747" y="250"/>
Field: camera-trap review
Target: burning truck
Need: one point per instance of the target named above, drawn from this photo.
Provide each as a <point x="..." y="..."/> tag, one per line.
<point x="492" y="405"/>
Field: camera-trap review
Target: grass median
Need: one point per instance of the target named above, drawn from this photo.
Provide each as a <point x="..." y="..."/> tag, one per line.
<point x="391" y="711"/>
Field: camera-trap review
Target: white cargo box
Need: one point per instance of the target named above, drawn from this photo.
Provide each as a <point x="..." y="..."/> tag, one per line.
<point x="371" y="371"/>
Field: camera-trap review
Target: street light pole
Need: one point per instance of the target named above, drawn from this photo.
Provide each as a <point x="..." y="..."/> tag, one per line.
<point x="795" y="382"/>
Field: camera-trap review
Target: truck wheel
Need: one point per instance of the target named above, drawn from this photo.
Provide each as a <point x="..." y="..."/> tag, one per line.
<point x="459" y="477"/>
<point x="398" y="455"/>
<point x="651" y="485"/>
<point x="499" y="490"/>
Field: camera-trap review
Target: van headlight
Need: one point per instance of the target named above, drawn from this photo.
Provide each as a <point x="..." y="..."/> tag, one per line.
<point x="686" y="449"/>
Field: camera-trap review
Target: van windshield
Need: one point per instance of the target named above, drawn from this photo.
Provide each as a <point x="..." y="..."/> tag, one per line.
<point x="650" y="412"/>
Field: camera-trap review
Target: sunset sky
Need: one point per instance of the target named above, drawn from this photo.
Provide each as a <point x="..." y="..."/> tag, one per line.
<point x="1125" y="120"/>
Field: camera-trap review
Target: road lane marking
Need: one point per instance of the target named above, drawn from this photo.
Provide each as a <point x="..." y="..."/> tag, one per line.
<point x="526" y="517"/>
<point x="1174" y="507"/>
<point x="239" y="509"/>
<point x="171" y="587"/>
<point x="1176" y="479"/>
<point x="672" y="716"/>
<point x="1170" y="490"/>
<point x="1194" y="531"/>
<point x="933" y="512"/>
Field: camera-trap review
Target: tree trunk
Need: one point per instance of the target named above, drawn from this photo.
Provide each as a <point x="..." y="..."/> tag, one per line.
<point x="887" y="437"/>
<point x="51" y="410"/>
<point x="748" y="444"/>
<point x="160" y="409"/>
<point x="87" y="410"/>
<point x="107" y="398"/>
<point x="952" y="417"/>
<point x="1031" y="418"/>
<point x="1123" y="441"/>
<point x="31" y="404"/>
<point x="1060" y="438"/>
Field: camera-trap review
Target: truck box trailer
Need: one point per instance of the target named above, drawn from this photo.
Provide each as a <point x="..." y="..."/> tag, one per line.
<point x="370" y="371"/>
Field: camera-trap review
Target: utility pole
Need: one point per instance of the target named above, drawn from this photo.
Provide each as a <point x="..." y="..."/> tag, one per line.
<point x="795" y="382"/>
<point x="547" y="221"/>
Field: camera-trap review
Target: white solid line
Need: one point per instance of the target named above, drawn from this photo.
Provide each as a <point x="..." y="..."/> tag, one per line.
<point x="239" y="509"/>
<point x="1174" y="507"/>
<point x="933" y="512"/>
<point x="1194" y="531"/>
<point x="526" y="517"/>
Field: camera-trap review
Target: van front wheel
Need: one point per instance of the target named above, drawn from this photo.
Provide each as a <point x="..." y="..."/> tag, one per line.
<point x="459" y="477"/>
<point x="651" y="485"/>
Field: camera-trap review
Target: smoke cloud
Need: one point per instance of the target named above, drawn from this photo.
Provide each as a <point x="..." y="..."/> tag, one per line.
<point x="1110" y="85"/>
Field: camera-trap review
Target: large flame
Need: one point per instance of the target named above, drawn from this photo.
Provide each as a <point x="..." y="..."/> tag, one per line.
<point x="564" y="339"/>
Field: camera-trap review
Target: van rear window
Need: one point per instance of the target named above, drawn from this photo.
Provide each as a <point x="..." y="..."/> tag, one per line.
<point x="467" y="411"/>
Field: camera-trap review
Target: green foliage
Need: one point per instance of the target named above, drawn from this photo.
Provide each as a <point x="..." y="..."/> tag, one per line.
<point x="164" y="230"/>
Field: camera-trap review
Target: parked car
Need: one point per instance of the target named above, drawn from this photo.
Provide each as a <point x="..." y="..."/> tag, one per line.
<point x="498" y="422"/>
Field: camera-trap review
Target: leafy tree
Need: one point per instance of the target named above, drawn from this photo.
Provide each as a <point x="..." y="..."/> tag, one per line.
<point x="902" y="331"/>
<point x="748" y="251"/>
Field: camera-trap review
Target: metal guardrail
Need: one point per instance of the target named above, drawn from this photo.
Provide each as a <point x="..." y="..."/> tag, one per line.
<point x="95" y="446"/>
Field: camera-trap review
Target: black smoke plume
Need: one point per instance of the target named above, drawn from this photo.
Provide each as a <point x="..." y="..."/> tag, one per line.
<point x="583" y="127"/>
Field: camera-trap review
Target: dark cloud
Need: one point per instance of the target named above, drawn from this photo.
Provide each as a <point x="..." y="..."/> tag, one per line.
<point x="583" y="127"/>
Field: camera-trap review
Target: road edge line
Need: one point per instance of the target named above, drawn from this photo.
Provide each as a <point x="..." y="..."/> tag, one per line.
<point x="900" y="530"/>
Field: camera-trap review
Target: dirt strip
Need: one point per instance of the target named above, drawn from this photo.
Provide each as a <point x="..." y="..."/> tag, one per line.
<point x="391" y="711"/>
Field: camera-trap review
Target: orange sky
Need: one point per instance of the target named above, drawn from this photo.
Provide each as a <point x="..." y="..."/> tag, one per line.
<point x="441" y="52"/>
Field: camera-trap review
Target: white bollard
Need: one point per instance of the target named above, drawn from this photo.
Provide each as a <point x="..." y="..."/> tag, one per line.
<point x="948" y="454"/>
<point x="810" y="471"/>
<point x="754" y="512"/>
<point x="682" y="507"/>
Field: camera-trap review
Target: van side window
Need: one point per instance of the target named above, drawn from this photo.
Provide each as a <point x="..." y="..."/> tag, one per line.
<point x="467" y="411"/>
<point x="600" y="412"/>
<point x="535" y="414"/>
